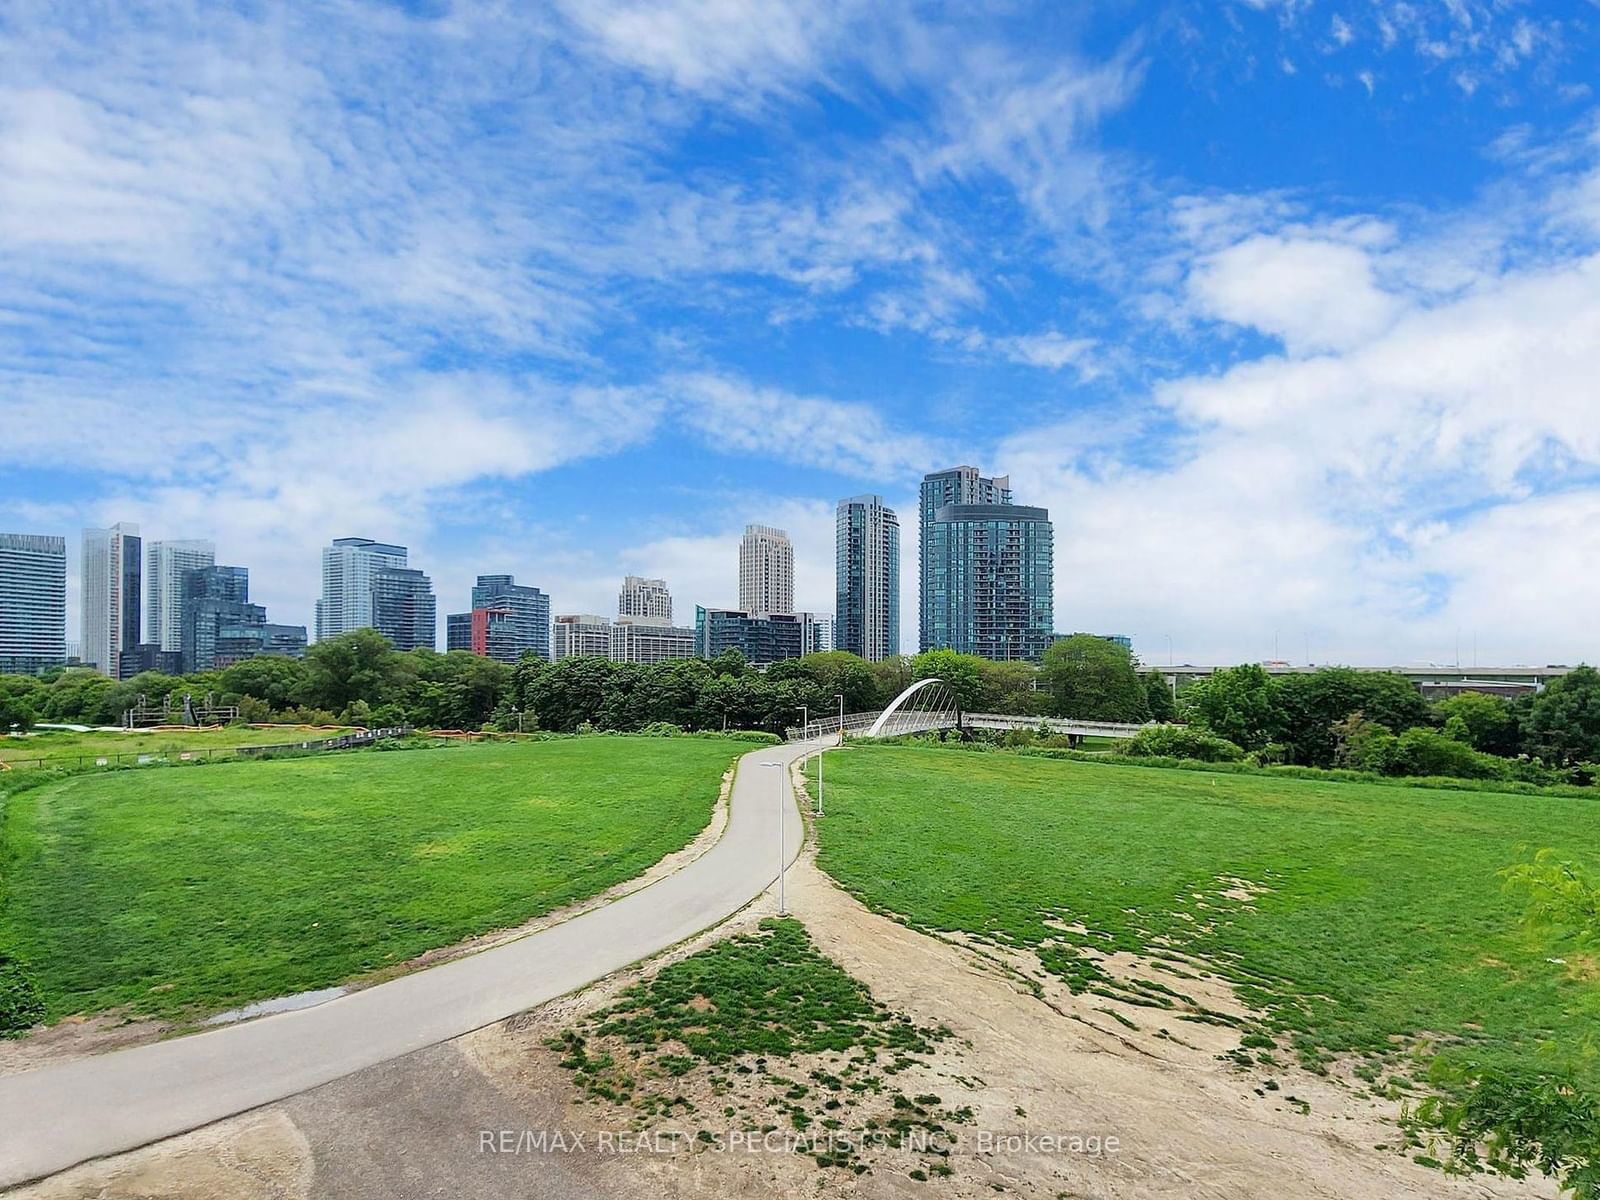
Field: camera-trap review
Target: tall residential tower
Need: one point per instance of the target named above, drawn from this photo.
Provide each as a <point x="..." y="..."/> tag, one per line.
<point x="766" y="571"/>
<point x="507" y="620"/>
<point x="166" y="564"/>
<point x="645" y="600"/>
<point x="349" y="566"/>
<point x="986" y="569"/>
<point x="33" y="603"/>
<point x="112" y="595"/>
<point x="867" y="618"/>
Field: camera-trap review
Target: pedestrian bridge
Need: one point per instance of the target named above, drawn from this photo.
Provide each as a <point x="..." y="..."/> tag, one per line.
<point x="930" y="704"/>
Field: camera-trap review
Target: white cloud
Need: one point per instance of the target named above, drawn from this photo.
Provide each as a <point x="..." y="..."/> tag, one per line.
<point x="1051" y="350"/>
<point x="735" y="416"/>
<point x="1436" y="471"/>
<point x="1314" y="293"/>
<point x="718" y="46"/>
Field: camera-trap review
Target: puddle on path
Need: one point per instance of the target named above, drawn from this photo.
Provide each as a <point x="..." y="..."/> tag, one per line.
<point x="279" y="1004"/>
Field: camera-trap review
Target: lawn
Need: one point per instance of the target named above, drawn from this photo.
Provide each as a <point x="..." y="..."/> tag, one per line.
<point x="64" y="748"/>
<point x="1377" y="916"/>
<point x="183" y="890"/>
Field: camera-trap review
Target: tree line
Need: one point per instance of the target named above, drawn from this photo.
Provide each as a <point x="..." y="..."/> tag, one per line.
<point x="1335" y="717"/>
<point x="1370" y="721"/>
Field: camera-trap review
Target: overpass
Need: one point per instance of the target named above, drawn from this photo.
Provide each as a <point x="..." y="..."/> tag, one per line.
<point x="1432" y="680"/>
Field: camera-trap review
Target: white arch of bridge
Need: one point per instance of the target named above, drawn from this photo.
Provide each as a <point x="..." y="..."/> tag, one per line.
<point x="898" y="702"/>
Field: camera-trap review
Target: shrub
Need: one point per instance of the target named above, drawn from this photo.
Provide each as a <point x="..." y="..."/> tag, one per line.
<point x="1428" y="752"/>
<point x="1181" y="741"/>
<point x="662" y="729"/>
<point x="21" y="1006"/>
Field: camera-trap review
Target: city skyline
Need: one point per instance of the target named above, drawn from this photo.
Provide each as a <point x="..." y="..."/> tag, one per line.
<point x="1318" y="382"/>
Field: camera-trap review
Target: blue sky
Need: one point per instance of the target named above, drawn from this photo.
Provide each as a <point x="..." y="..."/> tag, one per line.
<point x="1288" y="310"/>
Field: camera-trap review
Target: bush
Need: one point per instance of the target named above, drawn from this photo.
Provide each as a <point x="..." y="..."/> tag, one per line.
<point x="662" y="729"/>
<point x="1180" y="741"/>
<point x="1428" y="752"/>
<point x="21" y="1006"/>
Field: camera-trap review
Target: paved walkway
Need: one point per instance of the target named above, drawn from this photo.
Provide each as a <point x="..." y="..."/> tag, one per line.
<point x="56" y="1117"/>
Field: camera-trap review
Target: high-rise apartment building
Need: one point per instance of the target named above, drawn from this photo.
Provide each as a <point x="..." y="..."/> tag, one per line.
<point x="221" y="627"/>
<point x="867" y="619"/>
<point x="958" y="485"/>
<point x="645" y="600"/>
<point x="649" y="641"/>
<point x="766" y="571"/>
<point x="349" y="568"/>
<point x="404" y="609"/>
<point x="581" y="635"/>
<point x="166" y="564"/>
<point x="214" y="598"/>
<point x="762" y="638"/>
<point x="986" y="569"/>
<point x="33" y="603"/>
<point x="112" y="595"/>
<point x="821" y="635"/>
<point x="507" y="620"/>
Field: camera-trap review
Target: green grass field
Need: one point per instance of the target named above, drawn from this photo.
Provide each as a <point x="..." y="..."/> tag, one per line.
<point x="63" y="748"/>
<point x="1383" y="920"/>
<point x="183" y="890"/>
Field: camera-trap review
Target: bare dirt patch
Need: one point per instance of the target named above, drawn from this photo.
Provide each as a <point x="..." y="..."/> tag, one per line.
<point x="77" y="1037"/>
<point x="258" y="1156"/>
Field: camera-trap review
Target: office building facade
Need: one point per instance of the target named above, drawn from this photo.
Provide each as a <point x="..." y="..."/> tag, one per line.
<point x="113" y="596"/>
<point x="580" y="635"/>
<point x="766" y="570"/>
<point x="989" y="581"/>
<point x="166" y="565"/>
<point x="507" y="620"/>
<point x="762" y="638"/>
<point x="645" y="600"/>
<point x="404" y="609"/>
<point x="33" y="603"/>
<point x="349" y="570"/>
<point x="867" y="616"/>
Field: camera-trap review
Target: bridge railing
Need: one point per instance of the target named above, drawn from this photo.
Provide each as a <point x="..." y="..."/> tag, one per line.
<point x="856" y="724"/>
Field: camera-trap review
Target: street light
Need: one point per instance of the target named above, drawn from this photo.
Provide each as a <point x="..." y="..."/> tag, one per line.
<point x="805" y="722"/>
<point x="783" y="851"/>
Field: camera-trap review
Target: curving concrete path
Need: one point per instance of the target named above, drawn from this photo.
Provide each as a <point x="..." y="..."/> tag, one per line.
<point x="56" y="1117"/>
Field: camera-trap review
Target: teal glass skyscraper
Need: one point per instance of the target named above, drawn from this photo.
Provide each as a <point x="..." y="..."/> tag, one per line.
<point x="986" y="567"/>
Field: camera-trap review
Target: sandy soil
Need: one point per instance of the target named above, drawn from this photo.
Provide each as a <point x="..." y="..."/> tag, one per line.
<point x="258" y="1156"/>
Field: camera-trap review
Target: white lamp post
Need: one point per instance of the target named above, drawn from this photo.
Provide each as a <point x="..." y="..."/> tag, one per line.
<point x="783" y="852"/>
